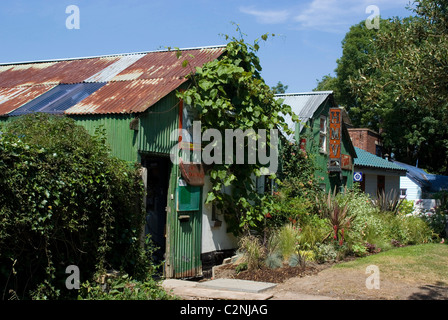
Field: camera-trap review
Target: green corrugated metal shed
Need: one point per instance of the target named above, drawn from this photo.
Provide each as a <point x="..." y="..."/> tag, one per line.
<point x="138" y="110"/>
<point x="309" y="106"/>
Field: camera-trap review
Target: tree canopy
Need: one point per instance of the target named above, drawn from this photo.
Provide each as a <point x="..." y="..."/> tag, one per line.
<point x="395" y="80"/>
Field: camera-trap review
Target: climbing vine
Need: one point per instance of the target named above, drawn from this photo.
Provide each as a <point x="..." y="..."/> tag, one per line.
<point x="229" y="93"/>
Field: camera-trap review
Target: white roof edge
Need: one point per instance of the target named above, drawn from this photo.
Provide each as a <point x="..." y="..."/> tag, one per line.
<point x="303" y="93"/>
<point x="110" y="55"/>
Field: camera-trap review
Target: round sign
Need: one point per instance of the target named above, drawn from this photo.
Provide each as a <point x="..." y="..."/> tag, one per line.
<point x="357" y="176"/>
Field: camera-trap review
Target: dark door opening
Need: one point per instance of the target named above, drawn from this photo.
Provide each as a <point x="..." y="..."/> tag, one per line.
<point x="157" y="183"/>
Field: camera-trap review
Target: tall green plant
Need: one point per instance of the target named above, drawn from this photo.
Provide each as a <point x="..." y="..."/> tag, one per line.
<point x="336" y="213"/>
<point x="388" y="202"/>
<point x="230" y="93"/>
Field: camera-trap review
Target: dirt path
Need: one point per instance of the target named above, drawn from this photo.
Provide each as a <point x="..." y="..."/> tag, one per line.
<point x="324" y="282"/>
<point x="351" y="285"/>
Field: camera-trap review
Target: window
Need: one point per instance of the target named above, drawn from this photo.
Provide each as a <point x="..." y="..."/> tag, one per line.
<point x="323" y="134"/>
<point x="403" y="193"/>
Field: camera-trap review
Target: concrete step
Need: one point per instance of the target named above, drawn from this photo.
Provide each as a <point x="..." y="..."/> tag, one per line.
<point x="229" y="289"/>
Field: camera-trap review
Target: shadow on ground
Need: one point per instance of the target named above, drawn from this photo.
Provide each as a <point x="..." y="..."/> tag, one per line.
<point x="439" y="291"/>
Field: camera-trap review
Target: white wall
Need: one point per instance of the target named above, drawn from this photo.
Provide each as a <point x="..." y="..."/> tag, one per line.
<point x="214" y="238"/>
<point x="413" y="191"/>
<point x="392" y="181"/>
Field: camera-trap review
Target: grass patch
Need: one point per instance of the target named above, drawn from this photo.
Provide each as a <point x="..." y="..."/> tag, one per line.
<point x="420" y="263"/>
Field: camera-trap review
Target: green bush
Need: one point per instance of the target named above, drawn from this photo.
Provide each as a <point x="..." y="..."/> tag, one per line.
<point x="123" y="287"/>
<point x="64" y="201"/>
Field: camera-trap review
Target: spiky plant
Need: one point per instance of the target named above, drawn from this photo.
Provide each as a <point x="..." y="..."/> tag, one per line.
<point x="336" y="213"/>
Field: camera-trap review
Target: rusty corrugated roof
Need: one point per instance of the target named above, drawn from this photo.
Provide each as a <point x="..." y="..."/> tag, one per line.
<point x="135" y="81"/>
<point x="126" y="96"/>
<point x="52" y="73"/>
<point x="13" y="98"/>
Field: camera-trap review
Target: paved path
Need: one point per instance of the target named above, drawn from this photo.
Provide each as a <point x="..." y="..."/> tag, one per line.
<point x="232" y="289"/>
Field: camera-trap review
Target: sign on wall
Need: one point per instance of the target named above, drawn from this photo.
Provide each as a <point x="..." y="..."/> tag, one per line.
<point x="335" y="140"/>
<point x="357" y="176"/>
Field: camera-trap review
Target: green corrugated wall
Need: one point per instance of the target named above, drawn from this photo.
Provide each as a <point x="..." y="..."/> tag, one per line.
<point x="156" y="125"/>
<point x="121" y="139"/>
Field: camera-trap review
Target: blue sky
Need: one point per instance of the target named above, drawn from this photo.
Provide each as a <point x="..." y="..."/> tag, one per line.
<point x="305" y="48"/>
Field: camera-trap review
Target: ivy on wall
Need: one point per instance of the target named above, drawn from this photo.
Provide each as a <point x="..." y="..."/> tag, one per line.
<point x="230" y="93"/>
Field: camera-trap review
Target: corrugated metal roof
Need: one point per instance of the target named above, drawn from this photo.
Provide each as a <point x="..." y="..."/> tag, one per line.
<point x="304" y="105"/>
<point x="118" y="66"/>
<point x="167" y="65"/>
<point x="126" y="96"/>
<point x="134" y="81"/>
<point x="13" y="98"/>
<point x="52" y="73"/>
<point x="366" y="159"/>
<point x="58" y="99"/>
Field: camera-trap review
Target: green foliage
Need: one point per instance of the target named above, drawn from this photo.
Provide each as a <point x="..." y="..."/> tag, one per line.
<point x="284" y="241"/>
<point x="325" y="252"/>
<point x="388" y="202"/>
<point x="297" y="172"/>
<point x="64" y="201"/>
<point x="274" y="260"/>
<point x="279" y="88"/>
<point x="123" y="287"/>
<point x="229" y="93"/>
<point x="252" y="250"/>
<point x="337" y="214"/>
<point x="406" y="207"/>
<point x="403" y="87"/>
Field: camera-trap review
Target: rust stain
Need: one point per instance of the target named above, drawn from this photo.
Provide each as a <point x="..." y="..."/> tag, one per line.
<point x="49" y="73"/>
<point x="126" y="96"/>
<point x="139" y="86"/>
<point x="13" y="98"/>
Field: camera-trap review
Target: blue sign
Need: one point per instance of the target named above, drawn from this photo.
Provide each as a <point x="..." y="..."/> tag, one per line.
<point x="357" y="176"/>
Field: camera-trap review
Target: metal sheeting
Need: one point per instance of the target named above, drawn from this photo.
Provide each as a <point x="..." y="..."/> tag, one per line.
<point x="135" y="81"/>
<point x="120" y="138"/>
<point x="304" y="105"/>
<point x="145" y="82"/>
<point x="13" y="98"/>
<point x="166" y="64"/>
<point x="52" y="73"/>
<point x="118" y="66"/>
<point x="126" y="97"/>
<point x="58" y="99"/>
<point x="157" y="124"/>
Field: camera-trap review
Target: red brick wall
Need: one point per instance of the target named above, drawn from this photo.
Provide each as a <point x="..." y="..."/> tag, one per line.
<point x="365" y="139"/>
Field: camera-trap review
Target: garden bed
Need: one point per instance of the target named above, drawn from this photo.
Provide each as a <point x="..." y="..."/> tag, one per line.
<point x="265" y="274"/>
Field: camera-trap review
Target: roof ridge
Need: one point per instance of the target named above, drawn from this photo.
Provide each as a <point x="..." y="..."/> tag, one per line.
<point x="169" y="49"/>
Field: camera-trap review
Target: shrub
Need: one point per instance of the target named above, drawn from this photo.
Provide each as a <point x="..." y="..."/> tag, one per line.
<point x="337" y="214"/>
<point x="325" y="252"/>
<point x="64" y="201"/>
<point x="123" y="287"/>
<point x="252" y="251"/>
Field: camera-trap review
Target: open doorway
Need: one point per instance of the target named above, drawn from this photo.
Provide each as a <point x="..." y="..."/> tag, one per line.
<point x="157" y="183"/>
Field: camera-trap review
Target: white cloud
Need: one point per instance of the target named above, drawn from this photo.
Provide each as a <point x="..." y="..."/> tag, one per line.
<point x="323" y="15"/>
<point x="267" y="16"/>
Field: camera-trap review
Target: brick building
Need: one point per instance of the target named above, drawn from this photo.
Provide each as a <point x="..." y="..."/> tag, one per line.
<point x="367" y="139"/>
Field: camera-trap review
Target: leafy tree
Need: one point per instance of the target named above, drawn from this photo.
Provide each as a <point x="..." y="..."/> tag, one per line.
<point x="357" y="46"/>
<point x="279" y="88"/>
<point x="404" y="87"/>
